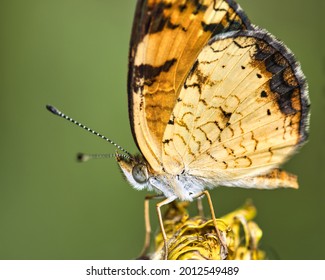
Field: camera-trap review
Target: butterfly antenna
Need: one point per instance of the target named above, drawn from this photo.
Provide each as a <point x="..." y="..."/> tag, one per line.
<point x="55" y="111"/>
<point x="83" y="157"/>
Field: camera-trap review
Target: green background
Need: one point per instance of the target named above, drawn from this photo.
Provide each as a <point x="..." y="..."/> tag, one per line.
<point x="73" y="54"/>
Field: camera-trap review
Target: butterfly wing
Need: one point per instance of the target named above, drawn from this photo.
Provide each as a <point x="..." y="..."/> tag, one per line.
<point x="166" y="39"/>
<point x="241" y="112"/>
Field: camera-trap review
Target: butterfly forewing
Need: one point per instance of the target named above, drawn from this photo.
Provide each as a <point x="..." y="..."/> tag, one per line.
<point x="166" y="40"/>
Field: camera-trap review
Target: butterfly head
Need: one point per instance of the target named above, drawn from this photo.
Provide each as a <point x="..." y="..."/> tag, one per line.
<point x="141" y="176"/>
<point x="135" y="169"/>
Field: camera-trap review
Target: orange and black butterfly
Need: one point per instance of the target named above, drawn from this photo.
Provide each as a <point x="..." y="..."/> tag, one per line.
<point x="213" y="101"/>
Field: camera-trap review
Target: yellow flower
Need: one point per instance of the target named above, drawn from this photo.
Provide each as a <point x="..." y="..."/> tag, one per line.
<point x="195" y="238"/>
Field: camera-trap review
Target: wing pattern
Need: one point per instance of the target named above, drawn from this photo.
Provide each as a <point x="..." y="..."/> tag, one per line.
<point x="167" y="37"/>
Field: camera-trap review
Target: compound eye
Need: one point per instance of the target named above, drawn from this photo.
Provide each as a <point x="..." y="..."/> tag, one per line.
<point x="140" y="173"/>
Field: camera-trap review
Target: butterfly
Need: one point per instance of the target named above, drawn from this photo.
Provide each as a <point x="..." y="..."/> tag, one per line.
<point x="213" y="101"/>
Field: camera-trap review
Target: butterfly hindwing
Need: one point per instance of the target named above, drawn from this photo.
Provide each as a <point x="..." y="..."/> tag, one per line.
<point x="242" y="110"/>
<point x="167" y="37"/>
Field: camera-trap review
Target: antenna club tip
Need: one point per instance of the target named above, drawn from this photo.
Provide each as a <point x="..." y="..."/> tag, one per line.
<point x="53" y="110"/>
<point x="81" y="157"/>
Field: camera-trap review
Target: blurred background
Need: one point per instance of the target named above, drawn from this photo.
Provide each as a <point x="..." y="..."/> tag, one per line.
<point x="73" y="54"/>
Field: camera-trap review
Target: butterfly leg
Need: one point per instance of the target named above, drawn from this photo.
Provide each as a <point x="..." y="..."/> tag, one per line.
<point x="146" y="244"/>
<point x="161" y="223"/>
<point x="223" y="245"/>
<point x="199" y="206"/>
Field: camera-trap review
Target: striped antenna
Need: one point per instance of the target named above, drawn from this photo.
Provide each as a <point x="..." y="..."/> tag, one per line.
<point x="55" y="111"/>
<point x="82" y="157"/>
